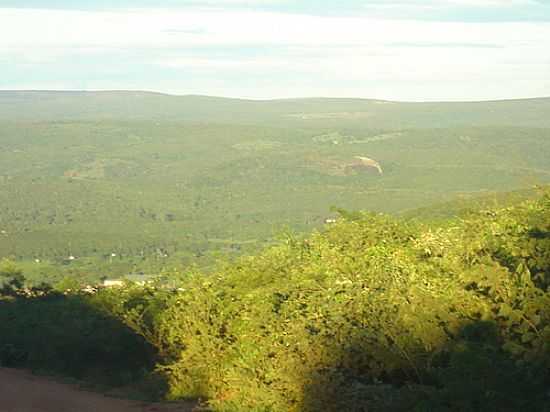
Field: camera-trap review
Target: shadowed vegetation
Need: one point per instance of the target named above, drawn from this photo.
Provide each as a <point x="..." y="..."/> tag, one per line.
<point x="77" y="336"/>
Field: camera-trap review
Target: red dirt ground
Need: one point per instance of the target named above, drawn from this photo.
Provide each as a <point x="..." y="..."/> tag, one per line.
<point x="20" y="391"/>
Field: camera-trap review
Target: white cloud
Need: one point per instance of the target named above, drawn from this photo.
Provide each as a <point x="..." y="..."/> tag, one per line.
<point x="37" y="29"/>
<point x="455" y="3"/>
<point x="336" y="49"/>
<point x="490" y="3"/>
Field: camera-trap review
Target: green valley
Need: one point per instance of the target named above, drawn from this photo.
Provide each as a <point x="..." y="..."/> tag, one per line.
<point x="113" y="183"/>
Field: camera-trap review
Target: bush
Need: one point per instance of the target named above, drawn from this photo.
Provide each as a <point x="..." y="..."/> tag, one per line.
<point x="374" y="313"/>
<point x="71" y="335"/>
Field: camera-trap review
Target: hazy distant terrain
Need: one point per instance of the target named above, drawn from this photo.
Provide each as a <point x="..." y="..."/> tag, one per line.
<point x="166" y="180"/>
<point x="322" y="112"/>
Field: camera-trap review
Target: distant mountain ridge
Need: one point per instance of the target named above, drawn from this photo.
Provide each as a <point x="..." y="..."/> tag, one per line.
<point x="143" y="105"/>
<point x="284" y="99"/>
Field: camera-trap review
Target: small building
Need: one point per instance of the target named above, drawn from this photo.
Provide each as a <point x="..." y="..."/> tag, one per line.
<point x="111" y="283"/>
<point x="89" y="289"/>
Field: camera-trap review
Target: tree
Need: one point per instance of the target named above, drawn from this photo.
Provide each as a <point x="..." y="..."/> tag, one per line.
<point x="11" y="276"/>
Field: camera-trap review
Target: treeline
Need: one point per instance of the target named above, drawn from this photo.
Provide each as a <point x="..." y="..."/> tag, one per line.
<point x="375" y="313"/>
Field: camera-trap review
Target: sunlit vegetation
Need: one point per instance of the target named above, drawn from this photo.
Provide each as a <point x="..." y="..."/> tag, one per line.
<point x="371" y="313"/>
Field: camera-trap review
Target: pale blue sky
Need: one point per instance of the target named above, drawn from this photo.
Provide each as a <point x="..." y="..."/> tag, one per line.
<point x="401" y="50"/>
<point x="447" y="10"/>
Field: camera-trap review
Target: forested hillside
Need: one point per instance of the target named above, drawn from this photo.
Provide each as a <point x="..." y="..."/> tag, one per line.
<point x="132" y="105"/>
<point x="99" y="184"/>
<point x="373" y="313"/>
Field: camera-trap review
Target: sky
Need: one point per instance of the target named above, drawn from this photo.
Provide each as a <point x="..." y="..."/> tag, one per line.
<point x="412" y="50"/>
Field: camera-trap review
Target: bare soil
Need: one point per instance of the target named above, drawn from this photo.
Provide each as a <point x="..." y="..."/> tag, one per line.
<point x="20" y="391"/>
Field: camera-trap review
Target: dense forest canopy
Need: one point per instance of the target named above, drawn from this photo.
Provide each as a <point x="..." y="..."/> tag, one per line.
<point x="96" y="184"/>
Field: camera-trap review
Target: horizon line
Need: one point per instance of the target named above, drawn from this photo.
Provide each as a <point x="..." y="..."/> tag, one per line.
<point x="267" y="99"/>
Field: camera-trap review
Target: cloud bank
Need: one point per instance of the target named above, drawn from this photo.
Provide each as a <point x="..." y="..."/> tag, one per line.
<point x="251" y="52"/>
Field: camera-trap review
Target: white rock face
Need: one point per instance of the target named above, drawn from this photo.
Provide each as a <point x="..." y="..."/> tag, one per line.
<point x="370" y="163"/>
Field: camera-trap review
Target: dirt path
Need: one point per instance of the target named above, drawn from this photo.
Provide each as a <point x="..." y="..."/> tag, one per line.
<point x="21" y="391"/>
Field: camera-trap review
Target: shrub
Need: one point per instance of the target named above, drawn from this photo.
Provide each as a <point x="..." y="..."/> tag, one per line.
<point x="360" y="314"/>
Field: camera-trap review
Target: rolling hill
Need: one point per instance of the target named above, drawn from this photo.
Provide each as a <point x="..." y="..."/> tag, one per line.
<point x="130" y="182"/>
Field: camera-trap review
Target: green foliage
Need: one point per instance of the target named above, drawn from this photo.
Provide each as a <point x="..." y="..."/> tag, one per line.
<point x="482" y="376"/>
<point x="163" y="182"/>
<point x="9" y="270"/>
<point x="373" y="314"/>
<point x="74" y="335"/>
<point x="11" y="276"/>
